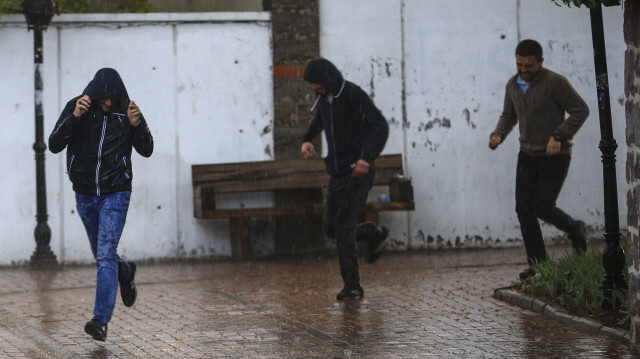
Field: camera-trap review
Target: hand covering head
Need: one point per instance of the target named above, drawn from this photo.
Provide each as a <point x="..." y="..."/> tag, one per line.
<point x="107" y="84"/>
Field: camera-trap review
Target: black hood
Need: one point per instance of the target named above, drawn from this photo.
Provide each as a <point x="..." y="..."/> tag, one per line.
<point x="107" y="84"/>
<point x="323" y="72"/>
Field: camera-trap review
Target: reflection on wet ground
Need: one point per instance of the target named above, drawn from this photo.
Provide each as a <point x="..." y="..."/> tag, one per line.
<point x="416" y="305"/>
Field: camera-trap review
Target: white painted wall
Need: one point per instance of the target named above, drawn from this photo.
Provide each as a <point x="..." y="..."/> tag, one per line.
<point x="204" y="83"/>
<point x="457" y="57"/>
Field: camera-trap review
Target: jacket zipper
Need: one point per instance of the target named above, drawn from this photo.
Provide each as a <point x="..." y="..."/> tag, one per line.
<point x="104" y="128"/>
<point x="333" y="144"/>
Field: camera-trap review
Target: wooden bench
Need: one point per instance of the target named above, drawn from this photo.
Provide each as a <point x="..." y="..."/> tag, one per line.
<point x="211" y="180"/>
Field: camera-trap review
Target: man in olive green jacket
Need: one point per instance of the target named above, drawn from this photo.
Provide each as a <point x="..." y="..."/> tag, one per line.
<point x="537" y="99"/>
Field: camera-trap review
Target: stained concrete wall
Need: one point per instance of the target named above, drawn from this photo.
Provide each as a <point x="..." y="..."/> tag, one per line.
<point x="205" y="82"/>
<point x="437" y="70"/>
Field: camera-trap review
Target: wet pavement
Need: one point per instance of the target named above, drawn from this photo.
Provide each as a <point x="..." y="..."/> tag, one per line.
<point x="417" y="305"/>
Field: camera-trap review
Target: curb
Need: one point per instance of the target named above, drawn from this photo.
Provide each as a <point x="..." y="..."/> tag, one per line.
<point x="512" y="297"/>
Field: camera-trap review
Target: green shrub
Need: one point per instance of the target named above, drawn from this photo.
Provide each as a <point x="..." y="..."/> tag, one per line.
<point x="84" y="6"/>
<point x="573" y="283"/>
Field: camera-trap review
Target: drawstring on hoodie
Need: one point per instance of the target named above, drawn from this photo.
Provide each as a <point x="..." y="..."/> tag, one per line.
<point x="341" y="88"/>
<point x="336" y="96"/>
<point x="315" y="104"/>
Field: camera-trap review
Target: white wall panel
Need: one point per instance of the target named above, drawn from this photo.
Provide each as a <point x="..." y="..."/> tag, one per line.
<point x="458" y="56"/>
<point x="225" y="112"/>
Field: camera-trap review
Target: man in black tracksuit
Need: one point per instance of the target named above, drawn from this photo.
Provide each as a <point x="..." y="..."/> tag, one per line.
<point x="356" y="133"/>
<point x="99" y="129"/>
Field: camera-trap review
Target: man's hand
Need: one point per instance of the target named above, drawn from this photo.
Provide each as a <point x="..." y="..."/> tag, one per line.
<point x="82" y="106"/>
<point x="494" y="142"/>
<point x="133" y="112"/>
<point x="307" y="150"/>
<point x="361" y="168"/>
<point x="553" y="147"/>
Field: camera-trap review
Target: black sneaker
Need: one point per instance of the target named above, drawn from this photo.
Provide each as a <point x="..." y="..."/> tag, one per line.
<point x="578" y="237"/>
<point x="376" y="245"/>
<point x="346" y="293"/>
<point x="97" y="330"/>
<point x="527" y="273"/>
<point x="128" y="290"/>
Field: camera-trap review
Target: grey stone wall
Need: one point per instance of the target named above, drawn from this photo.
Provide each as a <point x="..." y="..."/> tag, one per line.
<point x="632" y="92"/>
<point x="296" y="40"/>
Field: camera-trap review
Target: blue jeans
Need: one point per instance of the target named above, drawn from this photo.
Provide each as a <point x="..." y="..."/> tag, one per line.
<point x="103" y="218"/>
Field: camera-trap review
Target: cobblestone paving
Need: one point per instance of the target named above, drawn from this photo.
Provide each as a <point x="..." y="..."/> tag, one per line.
<point x="420" y="305"/>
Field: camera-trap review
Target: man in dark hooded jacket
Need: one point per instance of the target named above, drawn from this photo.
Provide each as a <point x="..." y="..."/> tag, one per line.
<point x="99" y="128"/>
<point x="356" y="133"/>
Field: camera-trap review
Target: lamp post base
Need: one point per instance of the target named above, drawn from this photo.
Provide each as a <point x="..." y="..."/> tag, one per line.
<point x="44" y="259"/>
<point x="613" y="261"/>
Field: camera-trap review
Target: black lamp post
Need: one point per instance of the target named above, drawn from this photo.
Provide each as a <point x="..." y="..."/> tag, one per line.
<point x="613" y="258"/>
<point x="38" y="14"/>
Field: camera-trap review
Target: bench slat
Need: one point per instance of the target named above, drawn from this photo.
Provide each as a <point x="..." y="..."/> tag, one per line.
<point x="255" y="212"/>
<point x="390" y="206"/>
<point x="297" y="180"/>
<point x="298" y="211"/>
<point x="266" y="170"/>
<point x="279" y="175"/>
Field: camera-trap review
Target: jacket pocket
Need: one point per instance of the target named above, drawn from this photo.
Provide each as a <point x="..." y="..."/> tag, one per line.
<point x="71" y="168"/>
<point x="79" y="171"/>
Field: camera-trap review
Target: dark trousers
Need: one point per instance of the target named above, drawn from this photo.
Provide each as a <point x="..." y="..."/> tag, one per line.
<point x="539" y="180"/>
<point x="346" y="199"/>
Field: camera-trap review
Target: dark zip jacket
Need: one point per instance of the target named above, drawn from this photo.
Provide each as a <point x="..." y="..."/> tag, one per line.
<point x="353" y="126"/>
<point x="98" y="143"/>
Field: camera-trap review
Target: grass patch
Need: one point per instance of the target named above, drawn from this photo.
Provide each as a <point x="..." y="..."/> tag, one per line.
<point x="573" y="283"/>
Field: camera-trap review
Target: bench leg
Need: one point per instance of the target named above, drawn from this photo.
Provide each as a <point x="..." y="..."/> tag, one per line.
<point x="372" y="216"/>
<point x="240" y="240"/>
